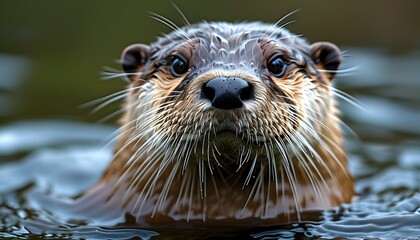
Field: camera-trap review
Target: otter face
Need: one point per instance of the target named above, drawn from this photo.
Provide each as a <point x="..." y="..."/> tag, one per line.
<point x="229" y="121"/>
<point x="232" y="87"/>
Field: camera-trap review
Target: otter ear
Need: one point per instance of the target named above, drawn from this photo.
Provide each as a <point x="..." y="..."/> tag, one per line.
<point x="133" y="59"/>
<point x="326" y="56"/>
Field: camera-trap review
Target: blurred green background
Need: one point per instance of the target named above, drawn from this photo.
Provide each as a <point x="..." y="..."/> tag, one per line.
<point x="52" y="53"/>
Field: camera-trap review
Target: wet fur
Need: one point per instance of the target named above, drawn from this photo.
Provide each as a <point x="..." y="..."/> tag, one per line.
<point x="179" y="159"/>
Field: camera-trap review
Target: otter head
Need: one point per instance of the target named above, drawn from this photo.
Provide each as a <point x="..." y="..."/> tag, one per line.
<point x="240" y="115"/>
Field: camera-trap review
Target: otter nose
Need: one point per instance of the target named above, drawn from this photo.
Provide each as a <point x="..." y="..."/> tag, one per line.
<point x="227" y="92"/>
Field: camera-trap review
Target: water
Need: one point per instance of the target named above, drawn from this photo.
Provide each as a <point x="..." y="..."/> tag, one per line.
<point x="58" y="160"/>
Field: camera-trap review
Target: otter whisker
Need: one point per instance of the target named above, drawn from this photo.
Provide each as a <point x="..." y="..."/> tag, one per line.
<point x="152" y="116"/>
<point x="260" y="189"/>
<point x="215" y="188"/>
<point x="331" y="153"/>
<point x="181" y="149"/>
<point x="290" y="172"/>
<point x="214" y="149"/>
<point x="159" y="138"/>
<point x="348" y="98"/>
<point x="201" y="175"/>
<point x="317" y="135"/>
<point x="127" y="143"/>
<point x="115" y="134"/>
<point x="166" y="187"/>
<point x="250" y="172"/>
<point x="253" y="191"/>
<point x="187" y="23"/>
<point x="320" y="160"/>
<point x="274" y="166"/>
<point x="249" y="151"/>
<point x="99" y="100"/>
<point x="156" y="100"/>
<point x="148" y="157"/>
<point x="111" y="70"/>
<point x="142" y="196"/>
<point x="341" y="72"/>
<point x="290" y="37"/>
<point x="280" y="28"/>
<point x="301" y="140"/>
<point x="151" y="183"/>
<point x="129" y="162"/>
<point x="241" y="157"/>
<point x="186" y="159"/>
<point x="183" y="186"/>
<point x="138" y="136"/>
<point x="270" y="175"/>
<point x="174" y="145"/>
<point x="318" y="123"/>
<point x="303" y="159"/>
<point x="107" y="75"/>
<point x="264" y="190"/>
<point x="279" y="21"/>
<point x="209" y="162"/>
<point x="111" y="115"/>
<point x="111" y="73"/>
<point x="187" y="192"/>
<point x="215" y="158"/>
<point x="192" y="146"/>
<point x="281" y="147"/>
<point x="283" y="183"/>
<point x="169" y="23"/>
<point x="222" y="177"/>
<point x="191" y="196"/>
<point x="139" y="175"/>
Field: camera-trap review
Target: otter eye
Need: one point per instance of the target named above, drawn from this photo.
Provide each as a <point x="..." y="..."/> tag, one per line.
<point x="276" y="66"/>
<point x="178" y="66"/>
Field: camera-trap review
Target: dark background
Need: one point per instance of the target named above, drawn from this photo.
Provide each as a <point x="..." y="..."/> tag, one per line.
<point x="52" y="53"/>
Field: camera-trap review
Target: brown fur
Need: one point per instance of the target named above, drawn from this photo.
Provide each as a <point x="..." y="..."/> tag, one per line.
<point x="179" y="159"/>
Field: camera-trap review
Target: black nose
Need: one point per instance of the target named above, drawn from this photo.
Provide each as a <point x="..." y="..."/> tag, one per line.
<point x="227" y="92"/>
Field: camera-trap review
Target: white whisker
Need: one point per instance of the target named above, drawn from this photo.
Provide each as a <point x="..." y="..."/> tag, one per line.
<point x="169" y="23"/>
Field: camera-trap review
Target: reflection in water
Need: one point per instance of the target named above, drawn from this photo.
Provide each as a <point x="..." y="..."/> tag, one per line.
<point x="61" y="159"/>
<point x="21" y="137"/>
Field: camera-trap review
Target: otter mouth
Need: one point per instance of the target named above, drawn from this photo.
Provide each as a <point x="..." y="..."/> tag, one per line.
<point x="229" y="136"/>
<point x="230" y="142"/>
<point x="246" y="136"/>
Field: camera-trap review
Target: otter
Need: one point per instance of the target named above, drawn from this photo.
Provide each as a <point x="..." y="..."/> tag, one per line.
<point x="225" y="123"/>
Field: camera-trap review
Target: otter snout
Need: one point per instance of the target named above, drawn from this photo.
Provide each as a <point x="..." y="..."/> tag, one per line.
<point x="227" y="92"/>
